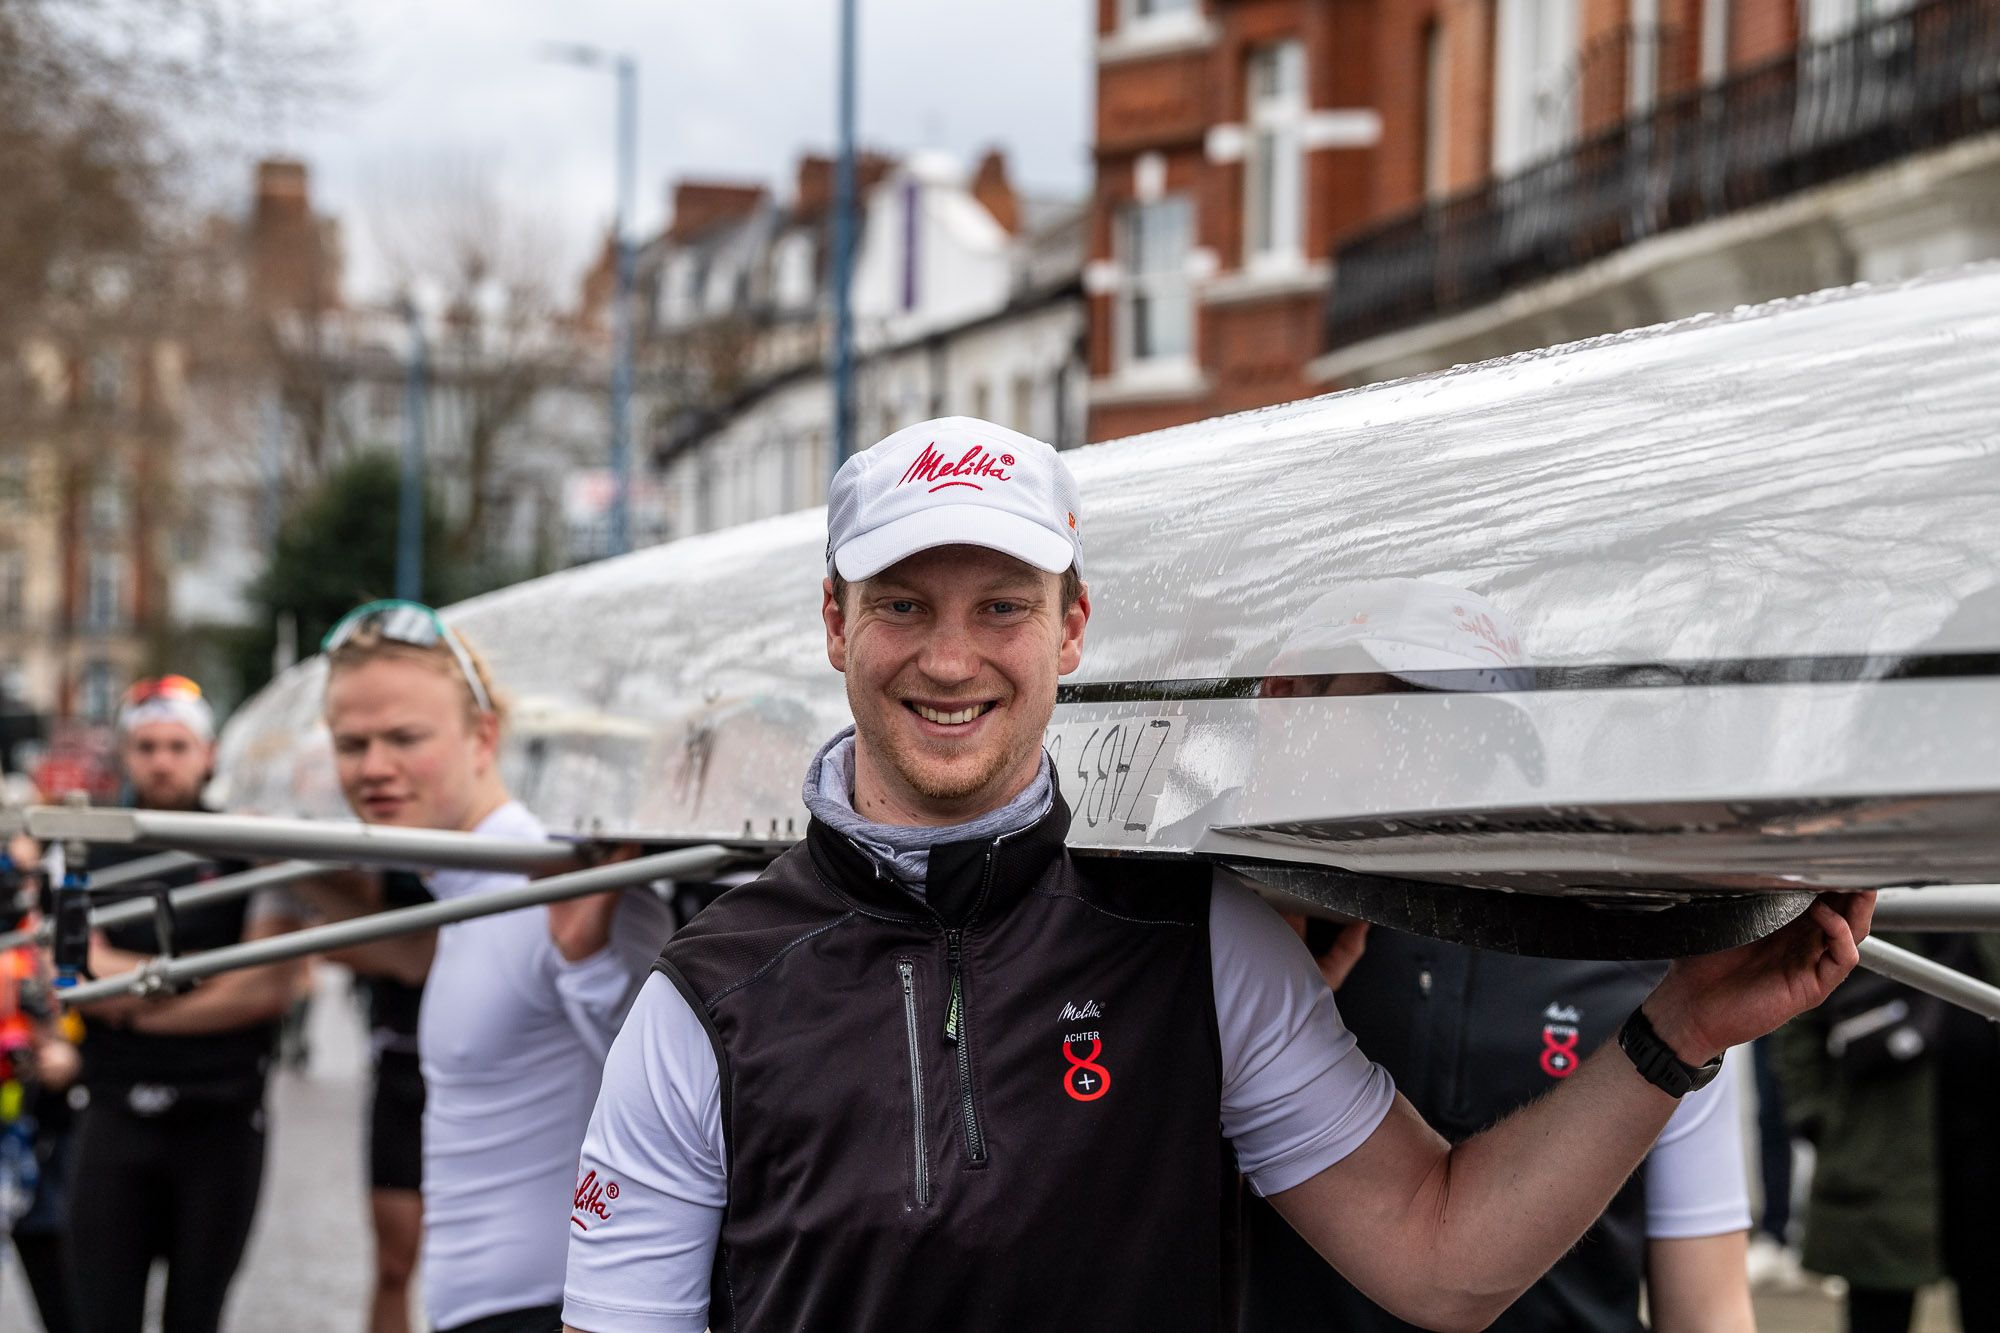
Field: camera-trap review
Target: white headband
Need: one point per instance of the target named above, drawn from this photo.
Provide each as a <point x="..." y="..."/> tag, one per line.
<point x="194" y="714"/>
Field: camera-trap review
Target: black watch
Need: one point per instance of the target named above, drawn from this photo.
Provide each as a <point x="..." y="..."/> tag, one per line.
<point x="1658" y="1063"/>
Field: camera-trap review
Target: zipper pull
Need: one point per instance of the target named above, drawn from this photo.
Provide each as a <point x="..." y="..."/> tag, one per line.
<point x="951" y="1012"/>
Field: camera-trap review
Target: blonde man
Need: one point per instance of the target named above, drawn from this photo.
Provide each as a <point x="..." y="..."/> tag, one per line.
<point x="518" y="1009"/>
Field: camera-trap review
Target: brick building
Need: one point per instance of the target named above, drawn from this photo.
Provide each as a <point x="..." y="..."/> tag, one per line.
<point x="1296" y="195"/>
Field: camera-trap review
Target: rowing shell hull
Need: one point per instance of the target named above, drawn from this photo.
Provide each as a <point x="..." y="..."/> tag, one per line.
<point x="1752" y="562"/>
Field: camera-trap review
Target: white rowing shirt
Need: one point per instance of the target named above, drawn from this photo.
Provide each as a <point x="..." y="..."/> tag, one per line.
<point x="1297" y="1096"/>
<point x="512" y="1040"/>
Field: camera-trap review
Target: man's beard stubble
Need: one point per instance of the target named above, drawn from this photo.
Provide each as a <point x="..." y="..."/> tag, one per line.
<point x="171" y="798"/>
<point x="932" y="786"/>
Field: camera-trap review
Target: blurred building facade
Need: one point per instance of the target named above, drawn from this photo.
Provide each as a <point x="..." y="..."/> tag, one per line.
<point x="84" y="553"/>
<point x="966" y="297"/>
<point x="1298" y="195"/>
<point x="512" y="407"/>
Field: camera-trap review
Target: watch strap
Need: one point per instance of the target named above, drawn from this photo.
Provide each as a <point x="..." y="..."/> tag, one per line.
<point x="1656" y="1061"/>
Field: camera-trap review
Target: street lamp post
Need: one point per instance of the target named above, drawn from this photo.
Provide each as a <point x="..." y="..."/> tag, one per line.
<point x="843" y="250"/>
<point x="627" y="70"/>
<point x="410" y="502"/>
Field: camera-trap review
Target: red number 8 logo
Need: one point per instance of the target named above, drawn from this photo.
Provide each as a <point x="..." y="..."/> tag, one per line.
<point x="1085" y="1079"/>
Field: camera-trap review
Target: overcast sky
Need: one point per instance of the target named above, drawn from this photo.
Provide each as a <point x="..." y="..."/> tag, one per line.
<point x="728" y="89"/>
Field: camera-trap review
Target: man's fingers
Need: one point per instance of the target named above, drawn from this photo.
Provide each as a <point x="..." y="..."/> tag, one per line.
<point x="1840" y="952"/>
<point x="1859" y="909"/>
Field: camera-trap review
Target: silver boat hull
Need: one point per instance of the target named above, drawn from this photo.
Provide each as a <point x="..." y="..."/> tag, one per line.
<point x="1747" y="568"/>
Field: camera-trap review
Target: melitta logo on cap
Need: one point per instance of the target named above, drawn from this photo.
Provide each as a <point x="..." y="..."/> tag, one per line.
<point x="975" y="462"/>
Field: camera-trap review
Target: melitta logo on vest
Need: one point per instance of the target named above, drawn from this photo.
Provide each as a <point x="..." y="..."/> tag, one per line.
<point x="1559" y="1037"/>
<point x="1070" y="1013"/>
<point x="593" y="1199"/>
<point x="974" y="463"/>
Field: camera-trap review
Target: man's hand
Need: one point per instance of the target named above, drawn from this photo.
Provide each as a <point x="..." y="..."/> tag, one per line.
<point x="582" y="926"/>
<point x="1348" y="945"/>
<point x="1346" y="951"/>
<point x="1709" y="1003"/>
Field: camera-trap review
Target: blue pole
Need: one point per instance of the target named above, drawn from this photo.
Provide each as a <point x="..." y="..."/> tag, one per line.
<point x="410" y="506"/>
<point x="621" y="359"/>
<point x="843" y="250"/>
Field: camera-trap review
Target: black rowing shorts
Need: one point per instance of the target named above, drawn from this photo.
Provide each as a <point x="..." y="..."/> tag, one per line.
<point x="396" y="1124"/>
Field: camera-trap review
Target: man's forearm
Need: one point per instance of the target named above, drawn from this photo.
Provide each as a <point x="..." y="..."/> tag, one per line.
<point x="222" y="1003"/>
<point x="1700" y="1284"/>
<point x="1490" y="1215"/>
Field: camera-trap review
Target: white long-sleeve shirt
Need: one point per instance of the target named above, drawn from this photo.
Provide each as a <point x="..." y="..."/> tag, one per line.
<point x="512" y="1040"/>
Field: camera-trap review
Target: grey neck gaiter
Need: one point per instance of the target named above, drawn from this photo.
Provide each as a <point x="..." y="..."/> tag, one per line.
<point x="904" y="850"/>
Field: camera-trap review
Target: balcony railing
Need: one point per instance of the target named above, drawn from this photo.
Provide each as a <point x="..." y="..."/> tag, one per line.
<point x="1898" y="86"/>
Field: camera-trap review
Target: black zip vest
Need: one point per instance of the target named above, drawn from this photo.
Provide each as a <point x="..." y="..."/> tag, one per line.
<point x="994" y="1109"/>
<point x="1470" y="1035"/>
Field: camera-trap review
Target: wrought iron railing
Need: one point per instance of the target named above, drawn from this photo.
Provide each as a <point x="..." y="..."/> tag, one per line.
<point x="1898" y="86"/>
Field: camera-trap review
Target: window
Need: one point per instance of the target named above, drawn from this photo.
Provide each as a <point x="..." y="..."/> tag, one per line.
<point x="104" y="596"/>
<point x="1024" y="404"/>
<point x="13" y="590"/>
<point x="107" y="379"/>
<point x="1827" y="20"/>
<point x="1274" y="174"/>
<point x="107" y="504"/>
<point x="980" y="404"/>
<point x="13" y="479"/>
<point x="1534" y="85"/>
<point x="1642" y="64"/>
<point x="792" y="271"/>
<point x="1715" y="41"/>
<point x="190" y="538"/>
<point x="1437" y="113"/>
<point x="385" y="410"/>
<point x="913" y="216"/>
<point x="1153" y="257"/>
<point x="1141" y="10"/>
<point x="97" y="692"/>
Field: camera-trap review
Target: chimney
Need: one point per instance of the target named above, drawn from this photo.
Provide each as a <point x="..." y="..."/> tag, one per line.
<point x="991" y="188"/>
<point x="814" y="197"/>
<point x="699" y="205"/>
<point x="295" y="256"/>
<point x="282" y="195"/>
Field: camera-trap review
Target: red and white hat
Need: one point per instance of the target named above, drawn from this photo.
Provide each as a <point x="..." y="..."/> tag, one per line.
<point x="952" y="481"/>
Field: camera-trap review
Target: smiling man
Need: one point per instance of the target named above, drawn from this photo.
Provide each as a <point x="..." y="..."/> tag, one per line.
<point x="930" y="1072"/>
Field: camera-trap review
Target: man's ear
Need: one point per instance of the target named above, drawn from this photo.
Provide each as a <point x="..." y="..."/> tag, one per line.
<point x="835" y="619"/>
<point x="1074" y="619"/>
<point x="487" y="735"/>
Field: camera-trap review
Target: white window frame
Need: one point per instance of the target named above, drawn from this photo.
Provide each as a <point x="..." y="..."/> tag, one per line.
<point x="1274" y="167"/>
<point x="1535" y="111"/>
<point x="1140" y="13"/>
<point x="104" y="594"/>
<point x="1437" y="110"/>
<point x="1162" y="280"/>
<point x="98" y="696"/>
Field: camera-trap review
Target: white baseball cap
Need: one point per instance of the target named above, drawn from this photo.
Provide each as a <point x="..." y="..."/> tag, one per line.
<point x="952" y="481"/>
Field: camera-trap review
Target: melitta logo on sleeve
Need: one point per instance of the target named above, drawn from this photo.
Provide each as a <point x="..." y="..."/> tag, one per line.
<point x="976" y="462"/>
<point x="593" y="1199"/>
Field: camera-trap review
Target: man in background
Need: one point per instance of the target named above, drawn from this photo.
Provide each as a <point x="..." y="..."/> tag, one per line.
<point x="170" y="1146"/>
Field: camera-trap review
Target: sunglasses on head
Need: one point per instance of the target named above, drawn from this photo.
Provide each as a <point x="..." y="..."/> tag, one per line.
<point x="407" y="622"/>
